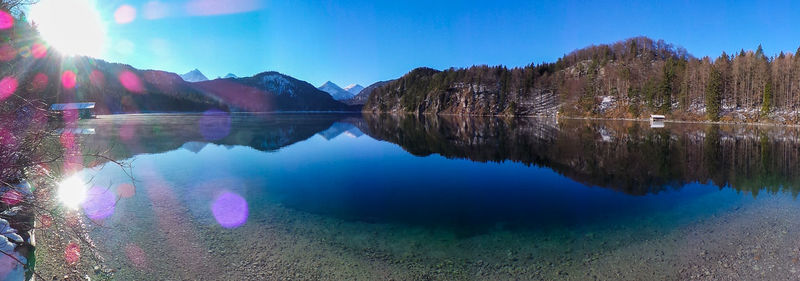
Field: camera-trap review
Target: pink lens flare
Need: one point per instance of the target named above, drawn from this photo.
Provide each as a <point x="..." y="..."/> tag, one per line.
<point x="125" y="14"/>
<point x="6" y="20"/>
<point x="97" y="79"/>
<point x="215" y="125"/>
<point x="136" y="255"/>
<point x="155" y="10"/>
<point x="126" y="190"/>
<point x="73" y="163"/>
<point x="7" y="52"/>
<point x="45" y="221"/>
<point x="67" y="140"/>
<point x="12" y="197"/>
<point x="7" y="139"/>
<point x="215" y="7"/>
<point x="100" y="203"/>
<point x="38" y="50"/>
<point x="8" y="85"/>
<point x="230" y="210"/>
<point x="127" y="132"/>
<point x="69" y="79"/>
<point x="39" y="82"/>
<point x="131" y="82"/>
<point x="72" y="253"/>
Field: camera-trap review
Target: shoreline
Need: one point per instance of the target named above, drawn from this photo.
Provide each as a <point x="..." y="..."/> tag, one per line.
<point x="677" y="121"/>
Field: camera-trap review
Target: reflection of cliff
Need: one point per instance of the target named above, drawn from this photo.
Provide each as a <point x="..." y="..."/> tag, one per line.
<point x="122" y="137"/>
<point x="625" y="156"/>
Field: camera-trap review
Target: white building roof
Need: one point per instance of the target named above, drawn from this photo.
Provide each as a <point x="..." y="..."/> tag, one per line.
<point x="72" y="106"/>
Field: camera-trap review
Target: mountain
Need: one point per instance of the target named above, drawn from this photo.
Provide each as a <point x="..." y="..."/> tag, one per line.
<point x="194" y="76"/>
<point x="114" y="87"/>
<point x="230" y="75"/>
<point x="335" y="91"/>
<point x="269" y="91"/>
<point x="354" y="89"/>
<point x="361" y="97"/>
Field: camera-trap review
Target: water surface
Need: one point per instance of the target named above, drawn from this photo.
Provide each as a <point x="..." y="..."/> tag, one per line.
<point x="338" y="197"/>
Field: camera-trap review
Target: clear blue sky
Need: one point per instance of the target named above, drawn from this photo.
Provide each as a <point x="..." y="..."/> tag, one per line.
<point x="367" y="41"/>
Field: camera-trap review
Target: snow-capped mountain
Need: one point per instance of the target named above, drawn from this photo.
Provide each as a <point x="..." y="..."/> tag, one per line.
<point x="269" y="91"/>
<point x="362" y="96"/>
<point x="231" y="75"/>
<point x="335" y="91"/>
<point x="194" y="76"/>
<point x="354" y="89"/>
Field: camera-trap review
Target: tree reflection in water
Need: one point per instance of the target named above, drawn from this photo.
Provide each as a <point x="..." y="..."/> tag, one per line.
<point x="622" y="155"/>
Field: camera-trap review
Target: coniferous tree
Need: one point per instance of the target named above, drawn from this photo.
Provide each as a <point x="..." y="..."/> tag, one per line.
<point x="713" y="94"/>
<point x="767" y="102"/>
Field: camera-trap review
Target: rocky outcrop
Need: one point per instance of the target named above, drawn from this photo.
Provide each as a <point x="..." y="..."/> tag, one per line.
<point x="461" y="92"/>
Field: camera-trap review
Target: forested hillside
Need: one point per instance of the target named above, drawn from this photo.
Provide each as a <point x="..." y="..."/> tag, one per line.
<point x="631" y="78"/>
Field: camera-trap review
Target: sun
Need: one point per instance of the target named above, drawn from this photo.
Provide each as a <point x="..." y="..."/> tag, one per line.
<point x="73" y="27"/>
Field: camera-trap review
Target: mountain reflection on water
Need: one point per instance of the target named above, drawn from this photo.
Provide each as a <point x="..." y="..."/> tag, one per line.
<point x="213" y="188"/>
<point x="367" y="180"/>
<point x="625" y="156"/>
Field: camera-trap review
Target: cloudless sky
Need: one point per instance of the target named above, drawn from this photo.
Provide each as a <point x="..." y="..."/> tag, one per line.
<point x="367" y="41"/>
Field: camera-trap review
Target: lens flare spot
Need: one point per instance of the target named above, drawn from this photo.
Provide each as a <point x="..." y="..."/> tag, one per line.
<point x="215" y="125"/>
<point x="126" y="190"/>
<point x="7" y="139"/>
<point x="39" y="82"/>
<point x="7" y="52"/>
<point x="125" y="14"/>
<point x="100" y="203"/>
<point x="131" y="82"/>
<point x="6" y="20"/>
<point x="38" y="50"/>
<point x="45" y="221"/>
<point x="72" y="192"/>
<point x="214" y="7"/>
<point x="67" y="140"/>
<point x="8" y="85"/>
<point x="72" y="253"/>
<point x="136" y="255"/>
<point x="127" y="132"/>
<point x="230" y="210"/>
<point x="12" y="197"/>
<point x="97" y="79"/>
<point x="68" y="79"/>
<point x="155" y="10"/>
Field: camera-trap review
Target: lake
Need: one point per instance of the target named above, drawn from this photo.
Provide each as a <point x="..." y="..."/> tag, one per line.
<point x="382" y="197"/>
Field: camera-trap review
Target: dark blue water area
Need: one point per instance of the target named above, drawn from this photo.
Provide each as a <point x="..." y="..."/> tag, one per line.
<point x="358" y="178"/>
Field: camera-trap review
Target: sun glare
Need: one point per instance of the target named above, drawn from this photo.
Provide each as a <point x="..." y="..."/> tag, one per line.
<point x="73" y="27"/>
<point x="72" y="192"/>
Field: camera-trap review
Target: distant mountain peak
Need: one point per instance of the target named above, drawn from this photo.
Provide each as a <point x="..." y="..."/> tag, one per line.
<point x="335" y="91"/>
<point x="230" y="75"/>
<point x="194" y="76"/>
<point x="354" y="88"/>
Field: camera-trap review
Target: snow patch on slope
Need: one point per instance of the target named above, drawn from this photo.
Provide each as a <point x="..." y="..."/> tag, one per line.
<point x="277" y="84"/>
<point x="354" y="89"/>
<point x="335" y="91"/>
<point x="194" y="76"/>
